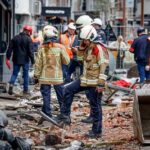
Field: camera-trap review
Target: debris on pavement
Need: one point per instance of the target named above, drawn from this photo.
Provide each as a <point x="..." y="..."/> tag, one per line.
<point x="117" y="124"/>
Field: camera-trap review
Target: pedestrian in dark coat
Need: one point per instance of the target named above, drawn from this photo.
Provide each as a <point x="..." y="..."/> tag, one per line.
<point x="139" y="47"/>
<point x="20" y="48"/>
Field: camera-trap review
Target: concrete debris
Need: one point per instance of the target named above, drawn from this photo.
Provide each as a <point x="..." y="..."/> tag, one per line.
<point x="116" y="101"/>
<point x="75" y="145"/>
<point x="117" y="123"/>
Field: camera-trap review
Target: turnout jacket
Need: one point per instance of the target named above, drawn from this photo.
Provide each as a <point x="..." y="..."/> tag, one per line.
<point x="95" y="61"/>
<point x="48" y="65"/>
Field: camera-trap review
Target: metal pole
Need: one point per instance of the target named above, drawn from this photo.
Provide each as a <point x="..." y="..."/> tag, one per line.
<point x="142" y="13"/>
<point x="124" y="18"/>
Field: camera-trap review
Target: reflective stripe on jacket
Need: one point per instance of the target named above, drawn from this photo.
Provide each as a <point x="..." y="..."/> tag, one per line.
<point x="95" y="62"/>
<point x="48" y="66"/>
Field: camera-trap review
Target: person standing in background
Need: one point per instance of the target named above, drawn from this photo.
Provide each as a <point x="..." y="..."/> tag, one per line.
<point x="21" y="49"/>
<point x="77" y="61"/>
<point x="140" y="49"/>
<point x="119" y="47"/>
<point x="97" y="24"/>
<point x="67" y="39"/>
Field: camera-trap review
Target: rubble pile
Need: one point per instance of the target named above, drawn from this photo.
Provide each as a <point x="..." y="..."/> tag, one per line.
<point x="117" y="125"/>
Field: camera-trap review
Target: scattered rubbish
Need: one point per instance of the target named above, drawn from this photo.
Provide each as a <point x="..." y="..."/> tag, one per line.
<point x="117" y="123"/>
<point x="116" y="101"/>
<point x="75" y="145"/>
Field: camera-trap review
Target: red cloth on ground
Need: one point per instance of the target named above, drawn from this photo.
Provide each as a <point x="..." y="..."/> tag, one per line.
<point x="122" y="83"/>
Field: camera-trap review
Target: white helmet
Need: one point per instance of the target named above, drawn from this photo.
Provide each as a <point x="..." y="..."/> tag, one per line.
<point x="97" y="21"/>
<point x="50" y="34"/>
<point x="88" y="32"/>
<point x="83" y="21"/>
<point x="72" y="26"/>
<point x="50" y="31"/>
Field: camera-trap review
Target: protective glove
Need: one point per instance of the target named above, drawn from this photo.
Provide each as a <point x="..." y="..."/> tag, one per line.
<point x="147" y="68"/>
<point x="100" y="88"/>
<point x="8" y="63"/>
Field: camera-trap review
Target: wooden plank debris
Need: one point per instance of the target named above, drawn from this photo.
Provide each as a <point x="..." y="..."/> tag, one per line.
<point x="35" y="129"/>
<point x="14" y="107"/>
<point x="8" y="97"/>
<point x="38" y="128"/>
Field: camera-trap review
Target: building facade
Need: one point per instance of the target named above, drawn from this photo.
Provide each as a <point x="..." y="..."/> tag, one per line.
<point x="146" y="13"/>
<point x="5" y="20"/>
<point x="27" y="12"/>
<point x="120" y="11"/>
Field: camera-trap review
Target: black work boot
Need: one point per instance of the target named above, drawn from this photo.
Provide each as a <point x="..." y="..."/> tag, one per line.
<point x="10" y="90"/>
<point x="63" y="119"/>
<point x="93" y="135"/>
<point x="89" y="119"/>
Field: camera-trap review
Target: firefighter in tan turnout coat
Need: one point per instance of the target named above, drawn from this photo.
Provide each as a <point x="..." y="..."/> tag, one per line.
<point x="48" y="67"/>
<point x="95" y="61"/>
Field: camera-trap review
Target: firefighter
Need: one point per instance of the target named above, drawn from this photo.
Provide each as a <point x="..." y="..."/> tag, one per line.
<point x="48" y="67"/>
<point x="92" y="80"/>
<point x="83" y="21"/>
<point x="21" y="47"/>
<point x="101" y="39"/>
<point x="74" y="63"/>
<point x="139" y="49"/>
<point x="97" y="24"/>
